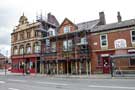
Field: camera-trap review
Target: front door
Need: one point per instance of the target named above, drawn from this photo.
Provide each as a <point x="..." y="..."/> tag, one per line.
<point x="106" y="65"/>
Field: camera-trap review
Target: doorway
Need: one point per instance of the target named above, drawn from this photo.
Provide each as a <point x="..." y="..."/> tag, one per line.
<point x="106" y="65"/>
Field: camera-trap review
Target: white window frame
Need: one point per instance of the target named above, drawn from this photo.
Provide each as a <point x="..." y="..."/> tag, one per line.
<point x="22" y="50"/>
<point x="28" y="49"/>
<point x="66" y="29"/>
<point x="37" y="48"/>
<point x="15" y="51"/>
<point x="102" y="40"/>
<point x="133" y="42"/>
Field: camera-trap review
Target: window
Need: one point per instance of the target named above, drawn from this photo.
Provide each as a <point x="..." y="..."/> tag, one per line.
<point x="83" y="40"/>
<point x="28" y="34"/>
<point x="28" y="49"/>
<point x="51" y="32"/>
<point x="21" y="50"/>
<point x="15" y="51"/>
<point x="99" y="62"/>
<point x="103" y="40"/>
<point x="67" y="45"/>
<point x="15" y="37"/>
<point x="53" y="47"/>
<point x="36" y="33"/>
<point x="133" y="36"/>
<point x="37" y="47"/>
<point x="132" y="61"/>
<point x="21" y="36"/>
<point x="66" y="29"/>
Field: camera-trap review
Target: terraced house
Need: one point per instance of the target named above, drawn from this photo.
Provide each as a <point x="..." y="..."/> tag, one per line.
<point x="70" y="48"/>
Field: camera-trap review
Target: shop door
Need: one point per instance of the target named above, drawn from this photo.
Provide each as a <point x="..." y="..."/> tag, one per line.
<point x="106" y="65"/>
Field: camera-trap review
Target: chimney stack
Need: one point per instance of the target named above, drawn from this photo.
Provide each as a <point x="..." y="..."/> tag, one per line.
<point x="118" y="16"/>
<point x="102" y="18"/>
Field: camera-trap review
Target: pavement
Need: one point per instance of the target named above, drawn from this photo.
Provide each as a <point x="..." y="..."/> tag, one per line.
<point x="29" y="82"/>
<point x="91" y="76"/>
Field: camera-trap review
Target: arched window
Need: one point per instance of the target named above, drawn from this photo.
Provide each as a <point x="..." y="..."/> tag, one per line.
<point x="37" y="47"/>
<point x="28" y="48"/>
<point x="15" y="50"/>
<point x="21" y="49"/>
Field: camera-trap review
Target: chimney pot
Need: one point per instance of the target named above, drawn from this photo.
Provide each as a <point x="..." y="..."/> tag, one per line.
<point x="119" y="17"/>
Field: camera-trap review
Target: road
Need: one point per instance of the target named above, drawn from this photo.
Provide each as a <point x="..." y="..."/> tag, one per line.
<point x="43" y="83"/>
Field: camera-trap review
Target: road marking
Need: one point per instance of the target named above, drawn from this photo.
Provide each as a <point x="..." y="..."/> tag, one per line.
<point x="13" y="89"/>
<point x="15" y="80"/>
<point x="115" y="87"/>
<point x="2" y="82"/>
<point x="51" y="83"/>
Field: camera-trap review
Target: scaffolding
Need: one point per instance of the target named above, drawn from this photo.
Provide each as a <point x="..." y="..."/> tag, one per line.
<point x="75" y="59"/>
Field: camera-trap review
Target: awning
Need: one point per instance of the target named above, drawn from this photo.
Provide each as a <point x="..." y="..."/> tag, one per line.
<point x="122" y="56"/>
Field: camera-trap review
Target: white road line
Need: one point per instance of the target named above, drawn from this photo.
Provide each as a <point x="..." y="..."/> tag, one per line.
<point x="115" y="87"/>
<point x="13" y="89"/>
<point x="51" y="83"/>
<point x="2" y="82"/>
<point x="15" y="80"/>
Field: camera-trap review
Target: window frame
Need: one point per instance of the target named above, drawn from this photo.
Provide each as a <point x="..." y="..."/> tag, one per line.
<point x="132" y="41"/>
<point x="101" y="41"/>
<point x="66" y="29"/>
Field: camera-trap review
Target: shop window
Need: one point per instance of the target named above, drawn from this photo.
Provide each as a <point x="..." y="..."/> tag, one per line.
<point x="99" y="60"/>
<point x="132" y="61"/>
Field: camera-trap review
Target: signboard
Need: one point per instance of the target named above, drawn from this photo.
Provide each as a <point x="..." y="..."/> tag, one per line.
<point x="120" y="43"/>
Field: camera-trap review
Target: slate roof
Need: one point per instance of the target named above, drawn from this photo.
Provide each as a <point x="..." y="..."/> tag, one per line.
<point x="87" y="25"/>
<point x="125" y="23"/>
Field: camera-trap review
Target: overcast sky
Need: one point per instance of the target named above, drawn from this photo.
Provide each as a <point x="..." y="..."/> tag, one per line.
<point x="76" y="10"/>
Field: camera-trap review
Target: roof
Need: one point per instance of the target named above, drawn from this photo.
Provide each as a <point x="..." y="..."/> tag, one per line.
<point x="66" y="19"/>
<point x="2" y="56"/>
<point x="88" y="25"/>
<point x="125" y="23"/>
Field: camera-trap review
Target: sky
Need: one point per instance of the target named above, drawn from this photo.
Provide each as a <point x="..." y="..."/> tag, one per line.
<point x="75" y="10"/>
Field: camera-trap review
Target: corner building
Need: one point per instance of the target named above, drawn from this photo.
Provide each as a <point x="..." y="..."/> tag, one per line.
<point x="26" y="43"/>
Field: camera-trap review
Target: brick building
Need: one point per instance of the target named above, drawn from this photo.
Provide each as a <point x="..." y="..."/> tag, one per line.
<point x="112" y="39"/>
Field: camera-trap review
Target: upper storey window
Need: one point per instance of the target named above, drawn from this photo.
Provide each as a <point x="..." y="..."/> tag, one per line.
<point x="28" y="34"/>
<point x="103" y="40"/>
<point x="15" y="37"/>
<point x="66" y="29"/>
<point x="51" y="32"/>
<point x="22" y="36"/>
<point x="133" y="36"/>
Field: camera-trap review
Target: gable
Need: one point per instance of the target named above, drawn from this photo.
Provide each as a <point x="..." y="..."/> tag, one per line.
<point x="67" y="23"/>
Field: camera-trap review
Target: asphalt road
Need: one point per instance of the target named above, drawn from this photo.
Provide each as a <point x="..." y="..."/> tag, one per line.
<point x="43" y="83"/>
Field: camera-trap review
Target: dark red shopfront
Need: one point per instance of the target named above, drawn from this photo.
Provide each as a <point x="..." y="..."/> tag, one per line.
<point x="103" y="61"/>
<point x="23" y="64"/>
